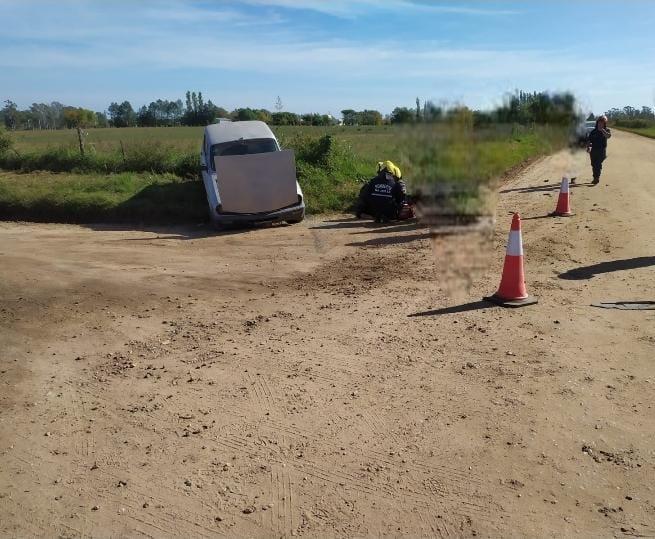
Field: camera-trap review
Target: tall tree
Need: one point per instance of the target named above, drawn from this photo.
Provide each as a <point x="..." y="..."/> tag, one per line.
<point x="402" y="115"/>
<point x="10" y="114"/>
<point x="101" y="120"/>
<point x="189" y="105"/>
<point x="122" y="115"/>
<point x="79" y="117"/>
<point x="349" y="117"/>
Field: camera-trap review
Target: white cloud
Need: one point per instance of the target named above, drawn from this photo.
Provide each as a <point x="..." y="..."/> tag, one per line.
<point x="158" y="37"/>
<point x="352" y="8"/>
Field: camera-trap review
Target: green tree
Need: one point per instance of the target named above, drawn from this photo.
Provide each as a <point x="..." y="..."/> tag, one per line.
<point x="122" y="115"/>
<point x="244" y="114"/>
<point x="10" y="115"/>
<point x="431" y="112"/>
<point x="79" y="117"/>
<point x="6" y="142"/>
<point x="263" y="115"/>
<point x="101" y="120"/>
<point x="145" y="117"/>
<point x="350" y="117"/>
<point x="402" y="115"/>
<point x="370" y="117"/>
<point x="285" y="118"/>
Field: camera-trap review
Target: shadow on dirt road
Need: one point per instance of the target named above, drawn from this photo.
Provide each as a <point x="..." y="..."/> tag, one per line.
<point x="588" y="272"/>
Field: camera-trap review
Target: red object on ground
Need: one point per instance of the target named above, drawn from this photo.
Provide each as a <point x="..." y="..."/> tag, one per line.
<point x="512" y="291"/>
<point x="406" y="212"/>
<point x="563" y="208"/>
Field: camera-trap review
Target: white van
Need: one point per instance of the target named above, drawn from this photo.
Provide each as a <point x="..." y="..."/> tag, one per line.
<point x="247" y="177"/>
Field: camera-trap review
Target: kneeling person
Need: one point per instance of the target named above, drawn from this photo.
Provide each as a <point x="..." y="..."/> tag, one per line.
<point x="383" y="196"/>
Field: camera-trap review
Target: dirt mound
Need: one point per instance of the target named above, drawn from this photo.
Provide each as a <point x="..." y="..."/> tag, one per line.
<point x="364" y="271"/>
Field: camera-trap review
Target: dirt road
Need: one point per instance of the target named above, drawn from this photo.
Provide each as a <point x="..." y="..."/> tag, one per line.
<point x="317" y="380"/>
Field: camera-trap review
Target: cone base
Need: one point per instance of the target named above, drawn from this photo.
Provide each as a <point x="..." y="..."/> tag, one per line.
<point x="556" y="214"/>
<point x="512" y="303"/>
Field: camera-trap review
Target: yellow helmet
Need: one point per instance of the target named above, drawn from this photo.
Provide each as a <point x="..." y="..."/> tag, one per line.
<point x="390" y="167"/>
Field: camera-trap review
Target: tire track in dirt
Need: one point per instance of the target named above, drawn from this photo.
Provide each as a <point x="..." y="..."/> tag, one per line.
<point x="81" y="439"/>
<point x="264" y="399"/>
<point x="36" y="526"/>
<point x="430" y="494"/>
<point x="285" y="506"/>
<point x="237" y="444"/>
<point x="135" y="486"/>
<point x="376" y="425"/>
<point x="96" y="495"/>
<point x="426" y="496"/>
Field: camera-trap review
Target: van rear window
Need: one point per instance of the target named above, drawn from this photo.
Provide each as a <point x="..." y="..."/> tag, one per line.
<point x="243" y="147"/>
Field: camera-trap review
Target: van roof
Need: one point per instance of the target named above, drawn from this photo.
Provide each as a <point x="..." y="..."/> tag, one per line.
<point x="229" y="131"/>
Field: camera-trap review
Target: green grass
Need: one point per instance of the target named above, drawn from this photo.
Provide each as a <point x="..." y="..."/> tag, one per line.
<point x="154" y="158"/>
<point x="126" y="197"/>
<point x="147" y="182"/>
<point x="108" y="140"/>
<point x="645" y="132"/>
<point x="184" y="139"/>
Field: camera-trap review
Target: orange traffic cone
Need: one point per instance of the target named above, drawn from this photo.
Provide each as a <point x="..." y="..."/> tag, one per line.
<point x="512" y="291"/>
<point x="563" y="208"/>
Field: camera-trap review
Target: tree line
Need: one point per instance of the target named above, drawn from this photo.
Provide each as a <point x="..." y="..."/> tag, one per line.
<point x="49" y="116"/>
<point x="632" y="117"/>
<point x="521" y="107"/>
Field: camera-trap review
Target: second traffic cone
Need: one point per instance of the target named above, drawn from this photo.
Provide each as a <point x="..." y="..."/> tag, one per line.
<point x="512" y="291"/>
<point x="563" y="208"/>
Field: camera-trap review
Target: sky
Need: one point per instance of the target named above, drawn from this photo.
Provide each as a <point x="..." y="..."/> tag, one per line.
<point x="326" y="55"/>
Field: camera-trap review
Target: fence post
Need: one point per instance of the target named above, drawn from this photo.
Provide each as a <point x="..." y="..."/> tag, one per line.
<point x="122" y="150"/>
<point x="80" y="137"/>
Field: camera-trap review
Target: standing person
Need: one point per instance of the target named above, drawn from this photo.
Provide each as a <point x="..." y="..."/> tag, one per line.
<point x="597" y="146"/>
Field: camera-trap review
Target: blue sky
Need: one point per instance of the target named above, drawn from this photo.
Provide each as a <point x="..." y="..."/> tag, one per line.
<point x="324" y="56"/>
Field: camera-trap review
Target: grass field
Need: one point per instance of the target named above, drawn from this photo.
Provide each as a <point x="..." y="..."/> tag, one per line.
<point x="152" y="178"/>
<point x="645" y="132"/>
<point x="125" y="197"/>
<point x="187" y="139"/>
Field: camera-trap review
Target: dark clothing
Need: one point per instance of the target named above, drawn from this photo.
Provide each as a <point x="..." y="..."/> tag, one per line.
<point x="597" y="141"/>
<point x="596" y="165"/>
<point x="381" y="198"/>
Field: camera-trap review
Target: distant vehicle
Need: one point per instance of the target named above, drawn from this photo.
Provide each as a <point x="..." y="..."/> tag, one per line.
<point x="582" y="132"/>
<point x="247" y="177"/>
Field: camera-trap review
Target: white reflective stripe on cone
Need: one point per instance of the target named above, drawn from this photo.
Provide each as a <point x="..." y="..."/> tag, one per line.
<point x="565" y="185"/>
<point x="515" y="244"/>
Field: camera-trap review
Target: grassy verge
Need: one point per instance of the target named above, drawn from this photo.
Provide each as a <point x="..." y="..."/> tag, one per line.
<point x="155" y="182"/>
<point x="153" y="158"/>
<point x="644" y="132"/>
<point x="126" y="197"/>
